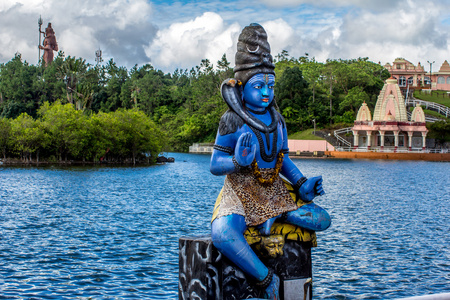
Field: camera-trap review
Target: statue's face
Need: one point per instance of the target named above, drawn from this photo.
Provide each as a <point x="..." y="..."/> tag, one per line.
<point x="258" y="91"/>
<point x="272" y="245"/>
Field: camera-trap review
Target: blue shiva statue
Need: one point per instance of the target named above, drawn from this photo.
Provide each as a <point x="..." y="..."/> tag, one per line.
<point x="251" y="149"/>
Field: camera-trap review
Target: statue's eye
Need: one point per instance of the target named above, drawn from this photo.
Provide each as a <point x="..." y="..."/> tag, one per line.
<point x="257" y="86"/>
<point x="271" y="87"/>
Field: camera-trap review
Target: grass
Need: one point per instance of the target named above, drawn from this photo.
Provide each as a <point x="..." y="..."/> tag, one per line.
<point x="440" y="97"/>
<point x="304" y="135"/>
<point x="434" y="114"/>
<point x="431" y="113"/>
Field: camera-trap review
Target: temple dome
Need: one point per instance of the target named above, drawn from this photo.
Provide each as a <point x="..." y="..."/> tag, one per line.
<point x="418" y="115"/>
<point x="364" y="113"/>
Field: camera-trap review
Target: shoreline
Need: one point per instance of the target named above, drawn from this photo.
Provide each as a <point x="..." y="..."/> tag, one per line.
<point x="441" y="157"/>
<point x="437" y="157"/>
<point x="19" y="163"/>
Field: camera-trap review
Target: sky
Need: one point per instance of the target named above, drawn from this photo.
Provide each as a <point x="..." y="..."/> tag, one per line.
<point x="179" y="34"/>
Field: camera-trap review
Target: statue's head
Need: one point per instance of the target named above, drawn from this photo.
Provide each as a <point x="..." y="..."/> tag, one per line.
<point x="254" y="66"/>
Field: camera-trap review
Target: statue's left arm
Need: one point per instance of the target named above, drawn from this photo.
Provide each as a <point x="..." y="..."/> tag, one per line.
<point x="307" y="188"/>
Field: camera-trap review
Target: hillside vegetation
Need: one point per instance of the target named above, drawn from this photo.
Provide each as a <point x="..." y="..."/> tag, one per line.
<point x="182" y="107"/>
<point x="440" y="97"/>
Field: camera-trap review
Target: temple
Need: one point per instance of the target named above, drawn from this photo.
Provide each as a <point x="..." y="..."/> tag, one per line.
<point x="407" y="74"/>
<point x="410" y="76"/>
<point x="441" y="78"/>
<point x="389" y="129"/>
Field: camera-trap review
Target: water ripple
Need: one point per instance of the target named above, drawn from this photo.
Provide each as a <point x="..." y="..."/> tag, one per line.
<point x="112" y="232"/>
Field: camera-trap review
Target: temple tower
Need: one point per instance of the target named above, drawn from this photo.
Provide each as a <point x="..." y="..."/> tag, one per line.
<point x="390" y="129"/>
<point x="390" y="101"/>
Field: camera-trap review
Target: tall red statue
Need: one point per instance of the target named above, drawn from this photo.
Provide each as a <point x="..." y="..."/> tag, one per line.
<point x="50" y="44"/>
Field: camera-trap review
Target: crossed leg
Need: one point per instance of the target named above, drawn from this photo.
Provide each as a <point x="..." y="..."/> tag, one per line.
<point x="227" y="234"/>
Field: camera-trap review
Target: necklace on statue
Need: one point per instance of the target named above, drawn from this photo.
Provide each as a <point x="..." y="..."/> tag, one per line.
<point x="271" y="180"/>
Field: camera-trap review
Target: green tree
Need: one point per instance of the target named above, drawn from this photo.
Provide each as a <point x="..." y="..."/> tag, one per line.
<point x="292" y="94"/>
<point x="224" y="69"/>
<point x="111" y="91"/>
<point x="284" y="61"/>
<point x="48" y="83"/>
<point x="440" y="131"/>
<point x="312" y="72"/>
<point x="63" y="124"/>
<point x="72" y="71"/>
<point x="353" y="100"/>
<point x="98" y="136"/>
<point x="28" y="136"/>
<point x="5" y="135"/>
<point x="148" y="89"/>
<point x="17" y="94"/>
<point x="133" y="134"/>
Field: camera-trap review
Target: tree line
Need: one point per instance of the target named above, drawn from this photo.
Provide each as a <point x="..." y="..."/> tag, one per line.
<point x="62" y="133"/>
<point x="180" y="108"/>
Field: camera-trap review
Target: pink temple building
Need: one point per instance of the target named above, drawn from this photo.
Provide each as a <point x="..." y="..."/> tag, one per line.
<point x="409" y="75"/>
<point x="441" y="79"/>
<point x="389" y="129"/>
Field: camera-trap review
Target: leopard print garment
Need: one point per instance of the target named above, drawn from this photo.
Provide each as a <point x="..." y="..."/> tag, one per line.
<point x="242" y="194"/>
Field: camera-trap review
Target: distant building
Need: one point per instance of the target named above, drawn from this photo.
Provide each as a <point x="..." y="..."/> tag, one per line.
<point x="389" y="129"/>
<point x="407" y="74"/>
<point x="441" y="79"/>
<point x="410" y="76"/>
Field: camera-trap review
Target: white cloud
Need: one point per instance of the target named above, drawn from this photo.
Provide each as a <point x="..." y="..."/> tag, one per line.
<point x="19" y="32"/>
<point x="81" y="38"/>
<point x="191" y="31"/>
<point x="184" y="45"/>
<point x="413" y="31"/>
<point x="120" y="27"/>
<point x="281" y="36"/>
<point x="407" y="32"/>
<point x="27" y="5"/>
<point x="375" y="5"/>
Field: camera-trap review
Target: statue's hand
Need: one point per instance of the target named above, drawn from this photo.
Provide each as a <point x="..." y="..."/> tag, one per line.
<point x="311" y="188"/>
<point x="245" y="150"/>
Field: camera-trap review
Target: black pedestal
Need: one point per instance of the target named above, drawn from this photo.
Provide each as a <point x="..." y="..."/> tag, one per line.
<point x="207" y="275"/>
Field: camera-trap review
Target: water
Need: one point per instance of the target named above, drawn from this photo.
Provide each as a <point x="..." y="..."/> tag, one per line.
<point x="112" y="233"/>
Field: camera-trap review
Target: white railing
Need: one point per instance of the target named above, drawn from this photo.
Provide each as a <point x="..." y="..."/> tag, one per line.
<point x="437" y="150"/>
<point x="340" y="138"/>
<point x="441" y="109"/>
<point x="428" y="119"/>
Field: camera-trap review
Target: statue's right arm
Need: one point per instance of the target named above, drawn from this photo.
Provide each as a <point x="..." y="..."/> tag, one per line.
<point x="236" y="155"/>
<point x="222" y="156"/>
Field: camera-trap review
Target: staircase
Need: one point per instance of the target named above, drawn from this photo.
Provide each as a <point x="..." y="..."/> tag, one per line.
<point x="341" y="140"/>
<point x="326" y="135"/>
<point x="439" y="108"/>
<point x="336" y="139"/>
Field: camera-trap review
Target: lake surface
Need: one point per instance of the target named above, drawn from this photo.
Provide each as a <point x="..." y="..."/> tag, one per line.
<point x="112" y="232"/>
